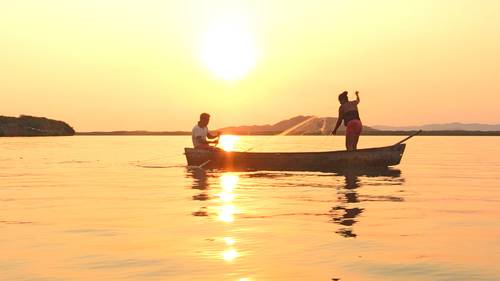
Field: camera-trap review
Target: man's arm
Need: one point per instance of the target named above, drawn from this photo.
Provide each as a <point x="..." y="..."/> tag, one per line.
<point x="201" y="140"/>
<point x="357" y="97"/>
<point x="213" y="135"/>
<point x="339" y="121"/>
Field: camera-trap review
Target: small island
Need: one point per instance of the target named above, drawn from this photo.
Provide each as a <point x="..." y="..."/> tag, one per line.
<point x="31" y="126"/>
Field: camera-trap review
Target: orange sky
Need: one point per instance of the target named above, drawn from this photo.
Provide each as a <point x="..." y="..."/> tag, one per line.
<point x="126" y="65"/>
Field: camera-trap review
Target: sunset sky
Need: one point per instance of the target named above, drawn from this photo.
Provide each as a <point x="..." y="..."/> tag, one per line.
<point x="155" y="65"/>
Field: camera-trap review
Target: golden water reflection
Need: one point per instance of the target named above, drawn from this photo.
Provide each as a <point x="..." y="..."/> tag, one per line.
<point x="226" y="213"/>
<point x="226" y="196"/>
<point x="230" y="254"/>
<point x="228" y="181"/>
<point x="347" y="211"/>
<point x="227" y="210"/>
<point x="229" y="241"/>
<point x="219" y="198"/>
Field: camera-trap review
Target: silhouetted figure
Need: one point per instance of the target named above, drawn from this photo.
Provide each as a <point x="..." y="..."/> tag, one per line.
<point x="200" y="134"/>
<point x="200" y="182"/>
<point x="348" y="112"/>
<point x="346" y="213"/>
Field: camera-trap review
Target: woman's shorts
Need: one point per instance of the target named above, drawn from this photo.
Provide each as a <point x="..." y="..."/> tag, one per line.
<point x="354" y="128"/>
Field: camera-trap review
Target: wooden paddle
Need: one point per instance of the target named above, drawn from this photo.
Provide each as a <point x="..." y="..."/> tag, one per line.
<point x="200" y="167"/>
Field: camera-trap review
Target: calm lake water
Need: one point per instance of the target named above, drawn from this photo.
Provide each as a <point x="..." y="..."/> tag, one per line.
<point x="126" y="208"/>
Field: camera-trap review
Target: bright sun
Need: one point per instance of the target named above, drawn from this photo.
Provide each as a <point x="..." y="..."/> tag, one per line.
<point x="228" y="142"/>
<point x="228" y="50"/>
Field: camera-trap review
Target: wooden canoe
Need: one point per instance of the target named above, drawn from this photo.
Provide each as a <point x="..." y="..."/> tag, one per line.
<point x="293" y="161"/>
<point x="361" y="159"/>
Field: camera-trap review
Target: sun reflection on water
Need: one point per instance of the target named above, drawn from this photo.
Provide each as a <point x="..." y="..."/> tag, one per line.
<point x="226" y="213"/>
<point x="228" y="182"/>
<point x="229" y="241"/>
<point x="226" y="197"/>
<point x="223" y="206"/>
<point x="230" y="255"/>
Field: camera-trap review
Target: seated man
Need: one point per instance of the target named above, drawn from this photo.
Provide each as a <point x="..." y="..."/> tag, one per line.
<point x="200" y="134"/>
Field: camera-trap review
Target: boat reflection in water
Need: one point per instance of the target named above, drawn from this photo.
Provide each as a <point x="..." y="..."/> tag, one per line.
<point x="345" y="213"/>
<point x="200" y="182"/>
<point x="235" y="202"/>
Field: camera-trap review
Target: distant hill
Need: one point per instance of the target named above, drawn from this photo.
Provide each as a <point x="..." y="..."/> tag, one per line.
<point x="298" y="125"/>
<point x="312" y="125"/>
<point x="30" y="126"/>
<point x="444" y="127"/>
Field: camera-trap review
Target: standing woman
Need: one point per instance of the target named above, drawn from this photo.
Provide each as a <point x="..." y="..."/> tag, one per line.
<point x="348" y="111"/>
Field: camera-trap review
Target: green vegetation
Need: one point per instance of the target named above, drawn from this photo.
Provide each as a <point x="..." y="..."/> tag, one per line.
<point x="30" y="126"/>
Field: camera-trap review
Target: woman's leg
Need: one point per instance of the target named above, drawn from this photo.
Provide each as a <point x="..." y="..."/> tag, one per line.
<point x="349" y="142"/>
<point x="359" y="129"/>
<point x="353" y="130"/>
<point x="355" y="142"/>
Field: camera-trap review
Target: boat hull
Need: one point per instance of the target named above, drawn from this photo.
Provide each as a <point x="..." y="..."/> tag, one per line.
<point x="293" y="161"/>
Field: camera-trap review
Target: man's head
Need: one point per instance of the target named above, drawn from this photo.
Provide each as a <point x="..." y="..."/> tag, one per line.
<point x="204" y="119"/>
<point x="343" y="97"/>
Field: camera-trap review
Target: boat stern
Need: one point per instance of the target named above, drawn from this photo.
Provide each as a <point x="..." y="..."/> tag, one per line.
<point x="397" y="155"/>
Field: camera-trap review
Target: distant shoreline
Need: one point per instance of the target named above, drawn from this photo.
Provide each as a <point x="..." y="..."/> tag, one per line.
<point x="133" y="133"/>
<point x="367" y="133"/>
<point x="32" y="126"/>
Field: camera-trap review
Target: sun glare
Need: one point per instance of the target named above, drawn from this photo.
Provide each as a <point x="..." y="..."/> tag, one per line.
<point x="228" y="50"/>
<point x="228" y="142"/>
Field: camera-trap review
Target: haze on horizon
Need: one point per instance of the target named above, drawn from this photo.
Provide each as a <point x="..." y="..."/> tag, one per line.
<point x="155" y="65"/>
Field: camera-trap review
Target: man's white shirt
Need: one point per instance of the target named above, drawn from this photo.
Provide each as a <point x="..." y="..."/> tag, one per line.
<point x="198" y="132"/>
